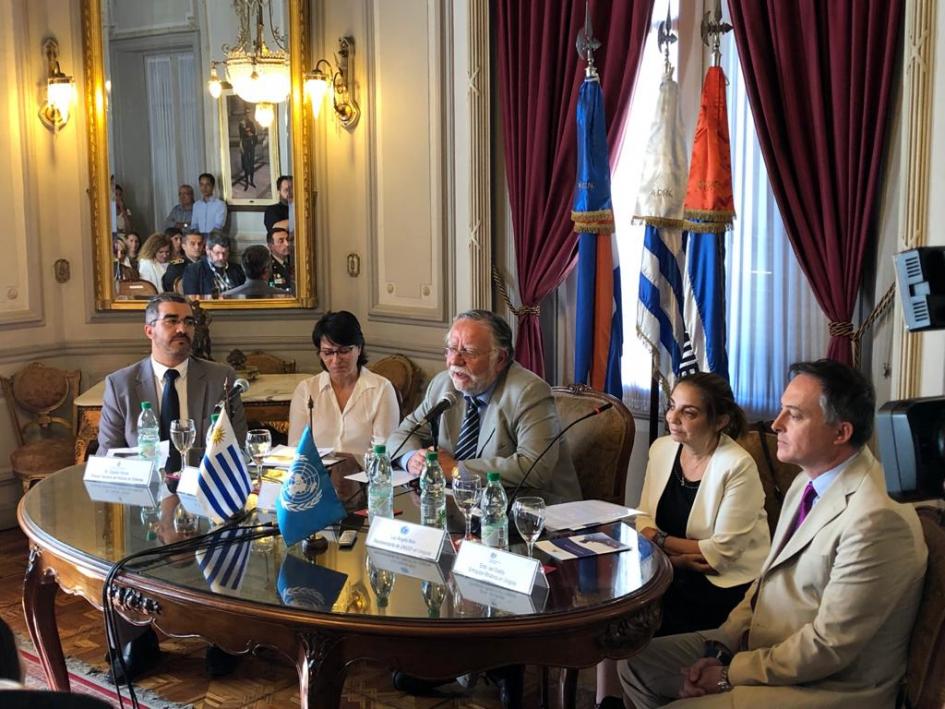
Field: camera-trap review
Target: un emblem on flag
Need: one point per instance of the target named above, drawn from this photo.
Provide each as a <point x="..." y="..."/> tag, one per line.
<point x="303" y="489"/>
<point x="302" y="597"/>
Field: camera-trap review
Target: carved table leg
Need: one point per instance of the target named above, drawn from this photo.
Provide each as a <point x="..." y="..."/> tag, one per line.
<point x="321" y="671"/>
<point x="39" y="606"/>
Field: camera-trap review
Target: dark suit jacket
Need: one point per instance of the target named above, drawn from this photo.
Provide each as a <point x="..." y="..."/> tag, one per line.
<point x="199" y="280"/>
<point x="128" y="387"/>
<point x="174" y="271"/>
<point x="254" y="288"/>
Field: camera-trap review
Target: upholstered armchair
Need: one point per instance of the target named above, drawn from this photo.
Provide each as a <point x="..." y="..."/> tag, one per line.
<point x="406" y="378"/>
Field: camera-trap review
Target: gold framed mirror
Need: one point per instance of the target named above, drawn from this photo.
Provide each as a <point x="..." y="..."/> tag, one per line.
<point x="161" y="130"/>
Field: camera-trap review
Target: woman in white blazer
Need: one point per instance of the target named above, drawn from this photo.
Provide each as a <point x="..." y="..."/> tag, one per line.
<point x="703" y="504"/>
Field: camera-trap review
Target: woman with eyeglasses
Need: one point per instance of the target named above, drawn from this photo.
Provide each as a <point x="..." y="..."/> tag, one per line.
<point x="351" y="406"/>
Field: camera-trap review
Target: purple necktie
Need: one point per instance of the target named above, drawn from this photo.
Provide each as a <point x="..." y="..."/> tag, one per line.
<point x="807" y="501"/>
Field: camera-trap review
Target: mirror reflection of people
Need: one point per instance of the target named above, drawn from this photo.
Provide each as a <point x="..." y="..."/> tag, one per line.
<point x="121" y="215"/>
<point x="177" y="242"/>
<point x="155" y="255"/>
<point x="182" y="214"/>
<point x="133" y="242"/>
<point x="192" y="247"/>
<point x="352" y="406"/>
<point x="256" y="266"/>
<point x="280" y="210"/>
<point x="209" y="212"/>
<point x="213" y="274"/>
<point x="281" y="244"/>
<point x="248" y="139"/>
<point x="121" y="268"/>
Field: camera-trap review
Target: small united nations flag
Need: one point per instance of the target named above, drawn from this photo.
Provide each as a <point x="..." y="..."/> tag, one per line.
<point x="308" y="501"/>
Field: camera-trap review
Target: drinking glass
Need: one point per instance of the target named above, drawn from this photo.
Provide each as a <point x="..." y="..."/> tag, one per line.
<point x="183" y="435"/>
<point x="184" y="522"/>
<point x="466" y="492"/>
<point x="529" y="516"/>
<point x="258" y="444"/>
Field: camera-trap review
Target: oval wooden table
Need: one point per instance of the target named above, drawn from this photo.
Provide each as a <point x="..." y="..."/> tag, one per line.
<point x="326" y="613"/>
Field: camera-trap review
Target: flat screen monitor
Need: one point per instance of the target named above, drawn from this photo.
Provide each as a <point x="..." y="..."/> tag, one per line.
<point x="911" y="437"/>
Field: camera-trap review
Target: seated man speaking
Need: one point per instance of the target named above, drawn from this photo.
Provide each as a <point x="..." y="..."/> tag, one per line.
<point x="506" y="419"/>
<point x="828" y="621"/>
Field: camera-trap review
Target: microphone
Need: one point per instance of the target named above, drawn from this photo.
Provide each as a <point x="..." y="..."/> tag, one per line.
<point x="240" y="386"/>
<point x="599" y="410"/>
<point x="445" y="402"/>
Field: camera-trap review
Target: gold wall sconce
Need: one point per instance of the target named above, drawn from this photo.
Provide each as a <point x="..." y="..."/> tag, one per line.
<point x="323" y="77"/>
<point x="60" y="89"/>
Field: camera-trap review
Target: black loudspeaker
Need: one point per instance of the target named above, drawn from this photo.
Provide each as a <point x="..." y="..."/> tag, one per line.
<point x="920" y="274"/>
<point x="911" y="437"/>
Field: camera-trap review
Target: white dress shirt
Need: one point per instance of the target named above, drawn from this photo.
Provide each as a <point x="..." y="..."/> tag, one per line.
<point x="180" y="385"/>
<point x="208" y="215"/>
<point x="371" y="414"/>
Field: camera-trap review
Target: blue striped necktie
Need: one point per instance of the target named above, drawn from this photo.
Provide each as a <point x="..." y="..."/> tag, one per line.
<point x="469" y="433"/>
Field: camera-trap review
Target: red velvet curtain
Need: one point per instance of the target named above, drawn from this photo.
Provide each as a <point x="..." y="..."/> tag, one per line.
<point x="539" y="77"/>
<point x="820" y="81"/>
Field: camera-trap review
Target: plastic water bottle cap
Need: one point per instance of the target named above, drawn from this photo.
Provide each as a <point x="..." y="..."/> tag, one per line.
<point x="380" y="449"/>
<point x="431" y="456"/>
<point x="145" y="405"/>
<point x="493" y="477"/>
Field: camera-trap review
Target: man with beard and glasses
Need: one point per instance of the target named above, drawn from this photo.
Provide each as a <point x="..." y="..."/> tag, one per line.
<point x="504" y="418"/>
<point x="178" y="387"/>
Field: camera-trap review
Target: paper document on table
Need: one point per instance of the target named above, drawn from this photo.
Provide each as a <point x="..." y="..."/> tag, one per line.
<point x="282" y="456"/>
<point x="584" y="513"/>
<point x="580" y="546"/>
<point x="398" y="477"/>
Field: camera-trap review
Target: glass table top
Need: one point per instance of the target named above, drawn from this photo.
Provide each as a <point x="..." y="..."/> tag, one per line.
<point x="79" y="518"/>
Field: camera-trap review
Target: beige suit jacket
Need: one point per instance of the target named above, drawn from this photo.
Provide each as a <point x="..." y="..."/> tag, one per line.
<point x="830" y="616"/>
<point x="516" y="426"/>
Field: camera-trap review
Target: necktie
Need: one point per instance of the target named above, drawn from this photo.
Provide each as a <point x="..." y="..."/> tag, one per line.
<point x="807" y="502"/>
<point x="170" y="411"/>
<point x="469" y="433"/>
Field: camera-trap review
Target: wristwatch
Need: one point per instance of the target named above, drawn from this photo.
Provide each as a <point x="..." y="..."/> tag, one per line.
<point x="723" y="684"/>
<point x="660" y="538"/>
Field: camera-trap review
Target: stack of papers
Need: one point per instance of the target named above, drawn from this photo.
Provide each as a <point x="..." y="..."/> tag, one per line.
<point x="282" y="457"/>
<point x="581" y="545"/>
<point x="584" y="513"/>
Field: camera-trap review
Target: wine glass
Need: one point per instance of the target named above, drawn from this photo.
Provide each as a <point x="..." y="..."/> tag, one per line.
<point x="183" y="435"/>
<point x="258" y="444"/>
<point x="529" y="516"/>
<point x="466" y="492"/>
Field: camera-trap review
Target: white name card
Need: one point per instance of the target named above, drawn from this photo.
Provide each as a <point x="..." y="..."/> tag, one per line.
<point x="499" y="567"/>
<point x="268" y="494"/>
<point x="407" y="538"/>
<point x="187" y="484"/>
<point x="121" y="471"/>
<point x="192" y="505"/>
<point x="407" y="565"/>
<point x="140" y="495"/>
<point x="487" y="594"/>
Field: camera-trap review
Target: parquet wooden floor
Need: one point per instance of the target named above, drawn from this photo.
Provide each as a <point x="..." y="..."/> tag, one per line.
<point x="262" y="682"/>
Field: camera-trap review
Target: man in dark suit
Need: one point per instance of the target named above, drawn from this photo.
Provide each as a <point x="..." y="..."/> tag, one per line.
<point x="180" y="387"/>
<point x="256" y="265"/>
<point x="193" y="252"/>
<point x="280" y="210"/>
<point x="213" y="274"/>
<point x="280" y="242"/>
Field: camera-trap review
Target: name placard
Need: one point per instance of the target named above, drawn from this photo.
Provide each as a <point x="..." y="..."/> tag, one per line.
<point x="268" y="494"/>
<point x="487" y="594"/>
<point x="407" y="538"/>
<point x="140" y="495"/>
<point x="499" y="567"/>
<point x="119" y="471"/>
<point x="407" y="565"/>
<point x="187" y="485"/>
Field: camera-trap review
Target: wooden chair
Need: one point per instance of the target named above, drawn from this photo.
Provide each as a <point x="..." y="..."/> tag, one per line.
<point x="406" y="377"/>
<point x="39" y="390"/>
<point x="924" y="684"/>
<point x="269" y="363"/>
<point x="136" y="289"/>
<point x="600" y="448"/>
<point x="776" y="477"/>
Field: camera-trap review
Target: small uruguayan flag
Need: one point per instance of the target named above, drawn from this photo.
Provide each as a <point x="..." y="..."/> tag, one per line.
<point x="223" y="482"/>
<point x="307" y="502"/>
<point x="223" y="563"/>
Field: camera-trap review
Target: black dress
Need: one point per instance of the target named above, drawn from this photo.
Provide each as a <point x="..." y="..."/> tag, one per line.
<point x="692" y="602"/>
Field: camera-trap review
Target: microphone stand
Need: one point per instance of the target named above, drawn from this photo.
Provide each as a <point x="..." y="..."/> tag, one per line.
<point x="599" y="410"/>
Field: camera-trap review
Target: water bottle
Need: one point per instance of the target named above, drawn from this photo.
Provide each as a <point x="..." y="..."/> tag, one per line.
<point x="149" y="433"/>
<point x="213" y="423"/>
<point x="432" y="493"/>
<point x="380" y="485"/>
<point x="495" y="521"/>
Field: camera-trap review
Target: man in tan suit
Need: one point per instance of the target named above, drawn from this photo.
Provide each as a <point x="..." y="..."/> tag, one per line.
<point x="827" y="623"/>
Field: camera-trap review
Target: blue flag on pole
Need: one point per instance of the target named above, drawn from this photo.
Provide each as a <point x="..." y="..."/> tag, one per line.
<point x="308" y="501"/>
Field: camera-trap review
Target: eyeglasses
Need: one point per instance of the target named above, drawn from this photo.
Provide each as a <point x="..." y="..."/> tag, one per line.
<point x="173" y="321"/>
<point x="464" y="353"/>
<point x="342" y="351"/>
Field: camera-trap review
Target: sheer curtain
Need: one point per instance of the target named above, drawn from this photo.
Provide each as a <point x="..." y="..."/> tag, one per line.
<point x="772" y="316"/>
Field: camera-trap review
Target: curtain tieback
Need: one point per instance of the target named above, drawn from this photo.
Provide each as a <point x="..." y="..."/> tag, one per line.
<point x="841" y="329"/>
<point x="504" y="294"/>
<point x="846" y="329"/>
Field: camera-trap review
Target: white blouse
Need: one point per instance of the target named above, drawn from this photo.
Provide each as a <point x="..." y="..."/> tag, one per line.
<point x="371" y="414"/>
<point x="153" y="271"/>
